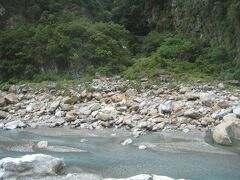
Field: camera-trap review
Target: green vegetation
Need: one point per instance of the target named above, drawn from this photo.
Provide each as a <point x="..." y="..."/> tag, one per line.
<point x="51" y="40"/>
<point x="181" y="57"/>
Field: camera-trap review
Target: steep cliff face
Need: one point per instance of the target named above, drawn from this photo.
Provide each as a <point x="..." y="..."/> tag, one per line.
<point x="216" y="22"/>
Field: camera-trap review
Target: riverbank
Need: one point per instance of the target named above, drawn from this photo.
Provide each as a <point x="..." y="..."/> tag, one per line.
<point x="115" y="102"/>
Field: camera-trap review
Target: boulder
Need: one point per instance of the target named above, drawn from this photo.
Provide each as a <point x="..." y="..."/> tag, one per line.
<point x="221" y="86"/>
<point x="66" y="107"/>
<point x="138" y="177"/>
<point x="223" y="104"/>
<point x="42" y="144"/>
<point x="127" y="142"/>
<point x="95" y="107"/>
<point x="192" y="96"/>
<point x="14" y="89"/>
<point x="53" y="106"/>
<point x="166" y="107"/>
<point x="30" y="165"/>
<point x="70" y="100"/>
<point x="237" y="111"/>
<point x="206" y="101"/>
<point x="11" y="125"/>
<point x="183" y="90"/>
<point x="2" y="102"/>
<point x="229" y="128"/>
<point x="104" y="116"/>
<point x="143" y="177"/>
<point x="193" y="114"/>
<point x="131" y="92"/>
<point x="3" y="115"/>
<point x="118" y="97"/>
<point x="1" y="125"/>
<point x="11" y="98"/>
<point x="205" y="121"/>
<point x="142" y="147"/>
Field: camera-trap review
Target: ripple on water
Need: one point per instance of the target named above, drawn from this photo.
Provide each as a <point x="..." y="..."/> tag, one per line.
<point x="107" y="158"/>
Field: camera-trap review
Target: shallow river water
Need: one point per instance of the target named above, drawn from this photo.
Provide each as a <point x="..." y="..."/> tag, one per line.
<point x="106" y="156"/>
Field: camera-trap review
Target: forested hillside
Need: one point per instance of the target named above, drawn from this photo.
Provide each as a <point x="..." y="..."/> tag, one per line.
<point x="134" y="37"/>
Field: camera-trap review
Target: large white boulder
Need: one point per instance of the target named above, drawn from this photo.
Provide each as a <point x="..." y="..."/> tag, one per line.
<point x="143" y="177"/>
<point x="138" y="177"/>
<point x="229" y="128"/>
<point x="30" y="165"/>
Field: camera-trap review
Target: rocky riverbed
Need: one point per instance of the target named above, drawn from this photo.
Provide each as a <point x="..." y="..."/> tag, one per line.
<point x="114" y="102"/>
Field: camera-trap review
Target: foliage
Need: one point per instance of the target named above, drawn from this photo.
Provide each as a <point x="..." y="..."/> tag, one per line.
<point x="181" y="57"/>
<point x="47" y="39"/>
<point x="56" y="47"/>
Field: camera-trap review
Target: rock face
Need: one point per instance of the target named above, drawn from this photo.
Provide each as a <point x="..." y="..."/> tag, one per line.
<point x="30" y="165"/>
<point x="229" y="128"/>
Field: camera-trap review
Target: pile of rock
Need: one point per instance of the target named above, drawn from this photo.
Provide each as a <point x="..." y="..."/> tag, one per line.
<point x="106" y="103"/>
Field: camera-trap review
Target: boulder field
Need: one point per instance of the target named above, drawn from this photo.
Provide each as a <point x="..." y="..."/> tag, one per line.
<point x="119" y="103"/>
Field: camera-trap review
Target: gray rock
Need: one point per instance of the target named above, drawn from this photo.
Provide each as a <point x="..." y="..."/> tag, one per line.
<point x="127" y="142"/>
<point x="193" y="114"/>
<point x="183" y="90"/>
<point x="205" y="121"/>
<point x="166" y="107"/>
<point x="192" y="96"/>
<point x="228" y="129"/>
<point x="95" y="107"/>
<point x="159" y="126"/>
<point x="206" y="100"/>
<point x="221" y="86"/>
<point x="138" y="177"/>
<point x="42" y="144"/>
<point x="142" y="147"/>
<point x="14" y="89"/>
<point x="186" y="130"/>
<point x="53" y="106"/>
<point x="70" y="100"/>
<point x="131" y="92"/>
<point x="237" y="111"/>
<point x="11" y="98"/>
<point x="30" y="165"/>
<point x="66" y="107"/>
<point x="29" y="107"/>
<point x="60" y="114"/>
<point x="3" y="115"/>
<point x="1" y="125"/>
<point x="223" y="104"/>
<point x="143" y="177"/>
<point x="11" y="125"/>
<point x="2" y="102"/>
<point x="104" y="116"/>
